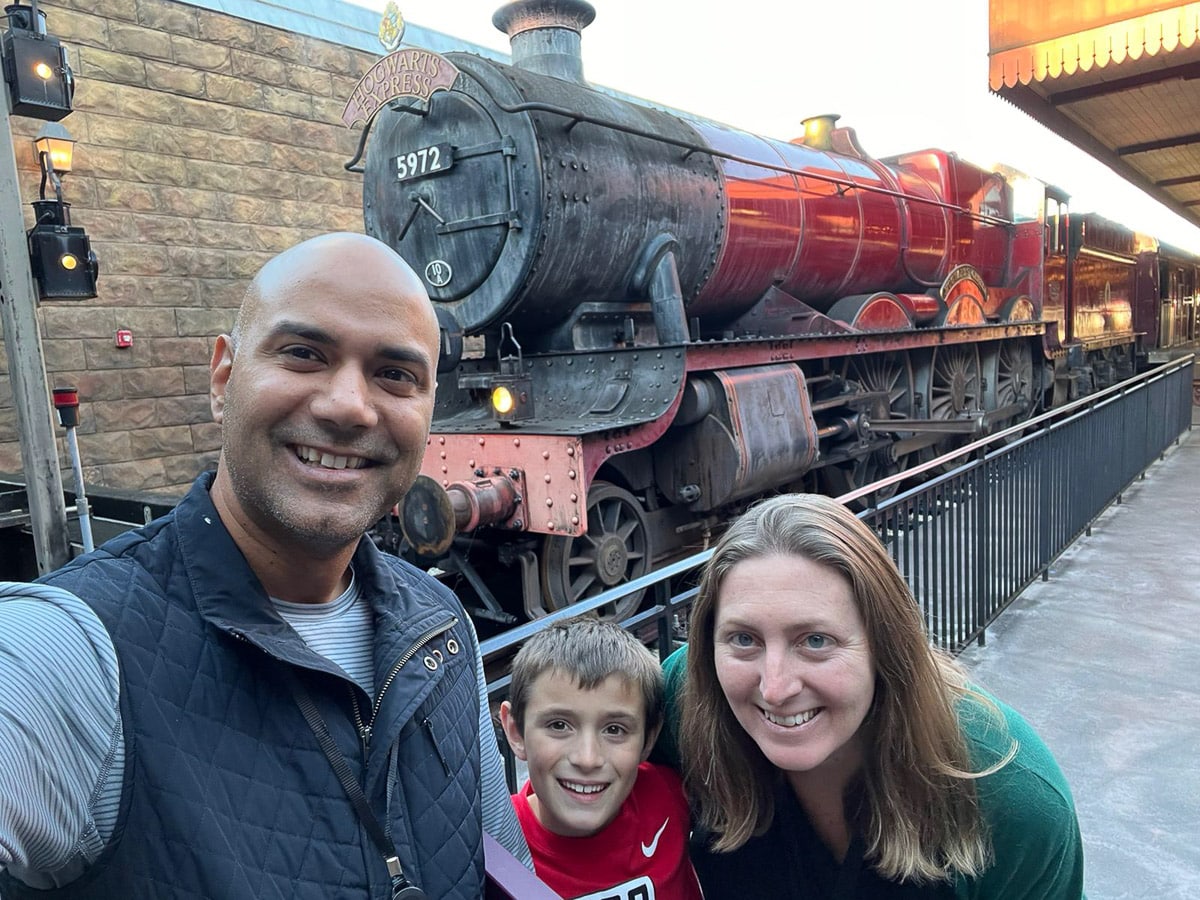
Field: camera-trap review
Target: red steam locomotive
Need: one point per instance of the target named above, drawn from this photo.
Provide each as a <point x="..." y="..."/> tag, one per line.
<point x="650" y="319"/>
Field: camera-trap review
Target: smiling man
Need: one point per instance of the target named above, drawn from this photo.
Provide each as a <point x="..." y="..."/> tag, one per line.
<point x="325" y="401"/>
<point x="191" y="710"/>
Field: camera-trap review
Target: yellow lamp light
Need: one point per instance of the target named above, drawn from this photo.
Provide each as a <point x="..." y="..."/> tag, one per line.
<point x="503" y="400"/>
<point x="55" y="145"/>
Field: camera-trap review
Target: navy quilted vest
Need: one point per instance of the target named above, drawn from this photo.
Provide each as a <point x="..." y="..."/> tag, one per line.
<point x="227" y="793"/>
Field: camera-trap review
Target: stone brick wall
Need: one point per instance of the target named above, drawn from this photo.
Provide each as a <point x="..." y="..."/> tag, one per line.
<point x="206" y="144"/>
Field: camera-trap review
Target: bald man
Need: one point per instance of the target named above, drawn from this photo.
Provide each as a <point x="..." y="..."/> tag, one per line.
<point x="246" y="698"/>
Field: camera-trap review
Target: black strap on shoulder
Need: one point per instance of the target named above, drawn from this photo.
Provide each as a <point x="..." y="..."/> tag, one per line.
<point x="402" y="888"/>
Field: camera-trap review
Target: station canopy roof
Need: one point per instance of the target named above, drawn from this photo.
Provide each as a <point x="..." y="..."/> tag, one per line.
<point x="1118" y="78"/>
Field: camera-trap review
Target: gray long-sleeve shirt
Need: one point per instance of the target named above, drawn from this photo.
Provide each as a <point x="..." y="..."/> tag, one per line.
<point x="62" y="749"/>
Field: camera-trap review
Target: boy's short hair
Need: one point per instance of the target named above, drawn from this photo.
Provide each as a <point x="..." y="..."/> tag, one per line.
<point x="588" y="650"/>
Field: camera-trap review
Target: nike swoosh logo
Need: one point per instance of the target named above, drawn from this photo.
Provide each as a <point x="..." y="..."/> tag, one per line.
<point x="648" y="849"/>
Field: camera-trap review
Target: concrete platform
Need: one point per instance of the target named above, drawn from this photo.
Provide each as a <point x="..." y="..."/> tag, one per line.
<point x="1104" y="660"/>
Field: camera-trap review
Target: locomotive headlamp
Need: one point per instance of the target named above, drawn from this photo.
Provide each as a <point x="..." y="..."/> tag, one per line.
<point x="40" y="83"/>
<point x="512" y="398"/>
<point x="511" y="387"/>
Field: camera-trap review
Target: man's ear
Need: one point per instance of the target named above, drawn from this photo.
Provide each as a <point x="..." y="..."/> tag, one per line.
<point x="218" y="375"/>
<point x="651" y="737"/>
<point x="509" y="723"/>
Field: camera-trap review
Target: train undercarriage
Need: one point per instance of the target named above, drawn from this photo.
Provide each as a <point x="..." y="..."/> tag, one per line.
<point x="856" y="409"/>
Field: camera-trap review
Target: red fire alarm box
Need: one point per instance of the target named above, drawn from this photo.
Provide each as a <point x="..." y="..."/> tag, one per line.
<point x="124" y="338"/>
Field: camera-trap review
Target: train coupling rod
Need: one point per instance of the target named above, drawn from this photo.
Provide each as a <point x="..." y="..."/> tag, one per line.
<point x="972" y="423"/>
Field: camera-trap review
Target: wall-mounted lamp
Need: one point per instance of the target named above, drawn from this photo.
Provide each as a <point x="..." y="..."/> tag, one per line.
<point x="55" y="150"/>
<point x="60" y="254"/>
<point x="40" y="83"/>
<point x="56" y="142"/>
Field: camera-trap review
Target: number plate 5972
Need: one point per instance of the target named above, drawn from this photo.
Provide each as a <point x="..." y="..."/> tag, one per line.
<point x="424" y="161"/>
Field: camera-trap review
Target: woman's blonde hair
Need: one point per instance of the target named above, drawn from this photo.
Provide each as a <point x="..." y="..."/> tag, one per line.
<point x="915" y="804"/>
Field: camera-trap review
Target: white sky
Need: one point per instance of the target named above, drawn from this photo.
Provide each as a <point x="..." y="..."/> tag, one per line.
<point x="906" y="74"/>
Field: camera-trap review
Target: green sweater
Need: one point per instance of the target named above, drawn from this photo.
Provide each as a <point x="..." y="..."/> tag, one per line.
<point x="1027" y="804"/>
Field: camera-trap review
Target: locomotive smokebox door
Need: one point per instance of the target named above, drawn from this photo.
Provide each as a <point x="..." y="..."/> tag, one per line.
<point x="443" y="190"/>
<point x="440" y="189"/>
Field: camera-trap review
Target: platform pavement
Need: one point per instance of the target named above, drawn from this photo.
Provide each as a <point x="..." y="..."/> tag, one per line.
<point x="1104" y="659"/>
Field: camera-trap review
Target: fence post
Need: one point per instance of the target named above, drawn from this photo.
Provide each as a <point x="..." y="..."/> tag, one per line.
<point x="983" y="571"/>
<point x="1045" y="462"/>
<point x="662" y="599"/>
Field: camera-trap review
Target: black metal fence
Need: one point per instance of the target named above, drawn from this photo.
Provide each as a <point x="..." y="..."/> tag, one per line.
<point x="970" y="540"/>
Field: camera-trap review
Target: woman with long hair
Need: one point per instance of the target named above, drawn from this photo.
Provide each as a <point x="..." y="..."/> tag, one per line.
<point x="830" y="751"/>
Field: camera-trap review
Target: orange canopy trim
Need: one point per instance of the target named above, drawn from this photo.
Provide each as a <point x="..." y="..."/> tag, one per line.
<point x="1145" y="35"/>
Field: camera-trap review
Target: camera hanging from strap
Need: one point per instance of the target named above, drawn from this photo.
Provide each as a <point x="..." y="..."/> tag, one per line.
<point x="402" y="888"/>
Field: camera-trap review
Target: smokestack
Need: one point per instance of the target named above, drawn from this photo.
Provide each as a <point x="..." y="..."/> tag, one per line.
<point x="545" y="35"/>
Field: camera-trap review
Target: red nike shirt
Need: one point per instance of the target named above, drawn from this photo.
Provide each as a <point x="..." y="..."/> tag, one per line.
<point x="641" y="855"/>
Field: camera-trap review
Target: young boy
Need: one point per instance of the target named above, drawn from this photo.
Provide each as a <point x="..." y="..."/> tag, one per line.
<point x="584" y="708"/>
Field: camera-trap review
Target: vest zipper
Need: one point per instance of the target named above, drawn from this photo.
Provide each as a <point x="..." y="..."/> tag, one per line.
<point x="365" y="728"/>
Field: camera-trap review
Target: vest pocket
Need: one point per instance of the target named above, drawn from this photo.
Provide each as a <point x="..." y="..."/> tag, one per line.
<point x="427" y="727"/>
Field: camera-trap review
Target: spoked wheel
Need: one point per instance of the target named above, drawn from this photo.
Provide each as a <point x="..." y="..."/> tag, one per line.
<point x="891" y="379"/>
<point x="953" y="388"/>
<point x="614" y="550"/>
<point x="1013" y="381"/>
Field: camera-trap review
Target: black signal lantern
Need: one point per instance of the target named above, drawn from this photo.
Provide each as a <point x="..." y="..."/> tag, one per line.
<point x="512" y="397"/>
<point x="511" y="389"/>
<point x="60" y="254"/>
<point x="40" y="83"/>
